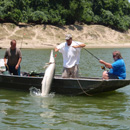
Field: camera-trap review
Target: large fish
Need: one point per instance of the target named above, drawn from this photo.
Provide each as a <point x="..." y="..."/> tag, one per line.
<point x="48" y="76"/>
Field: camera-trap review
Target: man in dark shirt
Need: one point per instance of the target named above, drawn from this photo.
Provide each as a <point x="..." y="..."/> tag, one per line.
<point x="12" y="58"/>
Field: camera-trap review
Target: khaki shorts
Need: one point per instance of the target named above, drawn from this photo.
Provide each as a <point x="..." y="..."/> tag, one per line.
<point x="70" y="72"/>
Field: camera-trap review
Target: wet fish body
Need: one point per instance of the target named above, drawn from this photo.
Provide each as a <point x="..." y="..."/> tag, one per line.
<point x="48" y="76"/>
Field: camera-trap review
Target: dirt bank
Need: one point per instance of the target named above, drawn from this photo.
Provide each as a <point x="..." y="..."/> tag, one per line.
<point x="48" y="36"/>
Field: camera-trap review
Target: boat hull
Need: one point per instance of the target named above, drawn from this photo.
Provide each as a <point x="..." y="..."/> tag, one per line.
<point x="67" y="86"/>
<point x="87" y="85"/>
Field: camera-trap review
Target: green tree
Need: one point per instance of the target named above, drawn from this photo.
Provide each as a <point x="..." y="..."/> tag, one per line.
<point x="112" y="13"/>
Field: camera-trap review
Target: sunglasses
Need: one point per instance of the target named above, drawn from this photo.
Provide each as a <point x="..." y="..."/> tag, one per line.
<point x="114" y="55"/>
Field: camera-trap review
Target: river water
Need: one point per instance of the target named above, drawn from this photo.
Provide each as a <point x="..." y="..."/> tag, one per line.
<point x="107" y="111"/>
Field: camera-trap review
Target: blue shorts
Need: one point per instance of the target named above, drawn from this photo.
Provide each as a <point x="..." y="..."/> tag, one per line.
<point x="112" y="76"/>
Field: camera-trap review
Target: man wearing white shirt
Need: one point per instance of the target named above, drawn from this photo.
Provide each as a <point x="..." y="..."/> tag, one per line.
<point x="71" y="56"/>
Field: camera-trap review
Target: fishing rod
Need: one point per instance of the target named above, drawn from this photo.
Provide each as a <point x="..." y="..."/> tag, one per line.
<point x="91" y="54"/>
<point x="86" y="50"/>
<point x="102" y="67"/>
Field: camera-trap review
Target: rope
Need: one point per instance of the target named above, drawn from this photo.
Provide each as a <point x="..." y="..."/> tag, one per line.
<point x="83" y="89"/>
<point x="80" y="84"/>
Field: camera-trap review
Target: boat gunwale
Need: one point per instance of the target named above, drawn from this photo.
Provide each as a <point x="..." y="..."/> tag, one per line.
<point x="59" y="77"/>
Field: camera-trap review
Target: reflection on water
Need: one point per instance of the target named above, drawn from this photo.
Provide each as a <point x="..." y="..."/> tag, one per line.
<point x="20" y="110"/>
<point x="106" y="111"/>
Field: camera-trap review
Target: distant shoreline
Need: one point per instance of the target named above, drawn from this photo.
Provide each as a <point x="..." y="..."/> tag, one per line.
<point x="37" y="37"/>
<point x="87" y="46"/>
<point x="109" y="46"/>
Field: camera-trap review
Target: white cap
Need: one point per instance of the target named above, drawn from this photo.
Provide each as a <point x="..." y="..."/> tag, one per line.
<point x="68" y="36"/>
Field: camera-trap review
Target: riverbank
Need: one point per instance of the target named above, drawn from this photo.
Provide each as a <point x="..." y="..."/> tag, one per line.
<point x="48" y="36"/>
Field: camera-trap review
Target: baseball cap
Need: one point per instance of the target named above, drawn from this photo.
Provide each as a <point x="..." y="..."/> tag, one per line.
<point x="68" y="36"/>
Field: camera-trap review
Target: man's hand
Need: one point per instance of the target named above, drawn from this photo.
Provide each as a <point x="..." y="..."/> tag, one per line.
<point x="108" y="65"/>
<point x="101" y="61"/>
<point x="17" y="66"/>
<point x="56" y="49"/>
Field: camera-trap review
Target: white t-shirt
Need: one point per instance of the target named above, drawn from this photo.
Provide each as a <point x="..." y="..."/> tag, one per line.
<point x="71" y="55"/>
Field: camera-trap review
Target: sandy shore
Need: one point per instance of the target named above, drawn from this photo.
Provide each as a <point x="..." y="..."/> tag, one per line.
<point x="48" y="36"/>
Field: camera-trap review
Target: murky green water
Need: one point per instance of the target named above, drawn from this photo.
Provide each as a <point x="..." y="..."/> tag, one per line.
<point x="107" y="111"/>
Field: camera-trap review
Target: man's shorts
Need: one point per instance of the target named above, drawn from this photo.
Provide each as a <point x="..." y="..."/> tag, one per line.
<point x="70" y="72"/>
<point x="112" y="76"/>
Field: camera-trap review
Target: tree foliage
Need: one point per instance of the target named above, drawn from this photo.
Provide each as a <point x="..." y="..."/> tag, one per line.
<point x="112" y="13"/>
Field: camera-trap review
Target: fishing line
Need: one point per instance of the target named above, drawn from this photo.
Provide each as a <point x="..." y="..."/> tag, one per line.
<point x="102" y="67"/>
<point x="89" y="52"/>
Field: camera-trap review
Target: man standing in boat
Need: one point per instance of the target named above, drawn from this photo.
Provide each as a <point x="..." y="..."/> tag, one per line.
<point x="117" y="69"/>
<point x="14" y="57"/>
<point x="71" y="56"/>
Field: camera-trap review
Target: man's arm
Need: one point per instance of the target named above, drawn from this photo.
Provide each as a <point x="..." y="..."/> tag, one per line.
<point x="108" y="65"/>
<point x="19" y="61"/>
<point x="5" y="61"/>
<point x="79" y="45"/>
